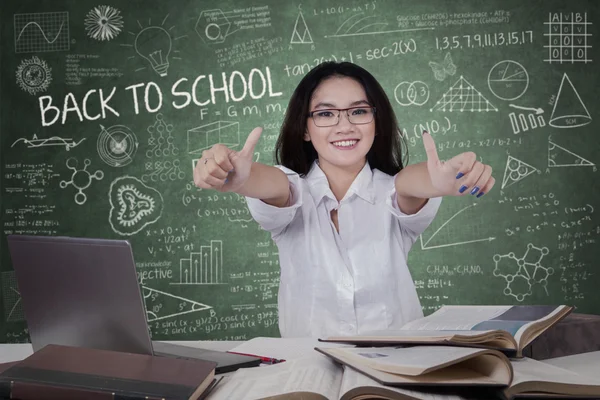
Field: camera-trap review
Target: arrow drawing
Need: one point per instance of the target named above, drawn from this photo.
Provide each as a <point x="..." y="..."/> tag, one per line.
<point x="537" y="110"/>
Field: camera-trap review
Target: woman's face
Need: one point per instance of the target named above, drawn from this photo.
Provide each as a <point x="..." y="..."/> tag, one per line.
<point x="343" y="144"/>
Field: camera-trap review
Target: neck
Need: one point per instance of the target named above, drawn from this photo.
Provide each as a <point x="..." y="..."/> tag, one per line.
<point x="340" y="178"/>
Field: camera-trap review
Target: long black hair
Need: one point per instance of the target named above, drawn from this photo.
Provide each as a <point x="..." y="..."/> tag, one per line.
<point x="297" y="154"/>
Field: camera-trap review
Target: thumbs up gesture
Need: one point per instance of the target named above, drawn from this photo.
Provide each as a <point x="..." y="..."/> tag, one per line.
<point x="460" y="175"/>
<point x="224" y="169"/>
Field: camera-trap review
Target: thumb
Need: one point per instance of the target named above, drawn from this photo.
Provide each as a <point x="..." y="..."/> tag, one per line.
<point x="251" y="141"/>
<point x="432" y="156"/>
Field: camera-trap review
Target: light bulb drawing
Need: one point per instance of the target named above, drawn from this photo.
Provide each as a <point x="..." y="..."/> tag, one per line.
<point x="154" y="44"/>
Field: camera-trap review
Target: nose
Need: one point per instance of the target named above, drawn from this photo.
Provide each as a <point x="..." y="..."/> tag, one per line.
<point x="344" y="122"/>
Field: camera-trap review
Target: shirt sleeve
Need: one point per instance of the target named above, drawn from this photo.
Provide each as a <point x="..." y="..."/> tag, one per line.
<point x="275" y="219"/>
<point x="414" y="224"/>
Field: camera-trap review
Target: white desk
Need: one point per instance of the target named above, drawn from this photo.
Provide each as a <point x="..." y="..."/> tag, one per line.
<point x="585" y="364"/>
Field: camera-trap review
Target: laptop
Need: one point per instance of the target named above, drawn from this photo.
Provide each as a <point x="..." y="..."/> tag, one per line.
<point x="84" y="292"/>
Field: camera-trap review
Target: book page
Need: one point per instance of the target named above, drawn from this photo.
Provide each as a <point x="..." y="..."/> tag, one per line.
<point x="405" y="333"/>
<point x="407" y="361"/>
<point x="283" y="348"/>
<point x="315" y="374"/>
<point x="456" y="318"/>
<point x="527" y="369"/>
<point x="353" y="379"/>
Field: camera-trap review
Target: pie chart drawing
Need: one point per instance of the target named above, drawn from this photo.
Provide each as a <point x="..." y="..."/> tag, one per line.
<point x="508" y="80"/>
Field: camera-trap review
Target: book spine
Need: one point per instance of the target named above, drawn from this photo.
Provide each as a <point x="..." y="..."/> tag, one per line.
<point x="38" y="391"/>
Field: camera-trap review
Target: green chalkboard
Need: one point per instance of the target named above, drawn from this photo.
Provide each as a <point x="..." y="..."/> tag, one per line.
<point x="105" y="108"/>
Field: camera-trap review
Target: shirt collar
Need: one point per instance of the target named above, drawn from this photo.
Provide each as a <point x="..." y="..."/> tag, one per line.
<point x="362" y="185"/>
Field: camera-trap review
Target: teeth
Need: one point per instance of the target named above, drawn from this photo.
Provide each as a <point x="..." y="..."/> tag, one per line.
<point x="345" y="143"/>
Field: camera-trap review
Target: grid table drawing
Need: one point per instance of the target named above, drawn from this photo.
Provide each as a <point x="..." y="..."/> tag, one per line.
<point x="567" y="38"/>
<point x="39" y="32"/>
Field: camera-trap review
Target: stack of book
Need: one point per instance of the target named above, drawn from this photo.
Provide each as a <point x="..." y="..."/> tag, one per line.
<point x="456" y="353"/>
<point x="58" y="372"/>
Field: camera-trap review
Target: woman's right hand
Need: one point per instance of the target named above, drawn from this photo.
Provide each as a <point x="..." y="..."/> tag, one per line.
<point x="224" y="169"/>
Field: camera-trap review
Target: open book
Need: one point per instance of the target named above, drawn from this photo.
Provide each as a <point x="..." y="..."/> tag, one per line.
<point x="315" y="377"/>
<point x="506" y="328"/>
<point x="427" y="365"/>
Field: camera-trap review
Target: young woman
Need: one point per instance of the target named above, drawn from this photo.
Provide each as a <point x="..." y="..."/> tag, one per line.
<point x="340" y="205"/>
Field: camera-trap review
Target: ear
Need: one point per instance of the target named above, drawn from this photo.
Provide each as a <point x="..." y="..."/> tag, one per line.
<point x="306" y="136"/>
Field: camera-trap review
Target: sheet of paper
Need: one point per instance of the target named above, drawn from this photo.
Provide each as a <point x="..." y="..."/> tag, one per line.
<point x="456" y="318"/>
<point x="283" y="348"/>
<point x="353" y="379"/>
<point x="309" y="374"/>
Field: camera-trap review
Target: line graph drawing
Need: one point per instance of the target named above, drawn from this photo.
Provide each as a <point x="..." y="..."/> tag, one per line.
<point x="34" y="142"/>
<point x="359" y="25"/>
<point x="39" y="32"/>
<point x="559" y="156"/>
<point x="446" y="226"/>
<point x="463" y="96"/>
<point x="13" y="307"/>
<point x="157" y="302"/>
<point x="515" y="171"/>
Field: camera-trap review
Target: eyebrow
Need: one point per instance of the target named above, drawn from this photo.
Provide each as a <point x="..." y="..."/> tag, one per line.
<point x="329" y="105"/>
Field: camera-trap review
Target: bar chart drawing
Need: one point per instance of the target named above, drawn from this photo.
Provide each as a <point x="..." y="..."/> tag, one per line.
<point x="525" y="121"/>
<point x="204" y="267"/>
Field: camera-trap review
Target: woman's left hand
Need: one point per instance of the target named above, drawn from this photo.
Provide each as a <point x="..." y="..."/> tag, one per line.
<point x="460" y="175"/>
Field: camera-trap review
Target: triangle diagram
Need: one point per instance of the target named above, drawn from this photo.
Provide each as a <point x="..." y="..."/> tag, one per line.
<point x="162" y="305"/>
<point x="558" y="156"/>
<point x="569" y="110"/>
<point x="462" y="96"/>
<point x="301" y="34"/>
<point x="515" y="171"/>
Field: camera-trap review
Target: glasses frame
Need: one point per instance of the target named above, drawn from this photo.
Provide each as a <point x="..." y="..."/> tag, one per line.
<point x="373" y="111"/>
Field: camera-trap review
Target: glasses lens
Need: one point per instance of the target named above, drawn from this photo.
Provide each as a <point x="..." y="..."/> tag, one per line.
<point x="326" y="117"/>
<point x="361" y="115"/>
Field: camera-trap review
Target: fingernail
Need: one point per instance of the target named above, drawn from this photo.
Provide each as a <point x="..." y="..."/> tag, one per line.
<point x="475" y="189"/>
<point x="226" y="179"/>
<point x="462" y="188"/>
<point x="231" y="170"/>
<point x="480" y="194"/>
<point x="424" y="132"/>
<point x="460" y="175"/>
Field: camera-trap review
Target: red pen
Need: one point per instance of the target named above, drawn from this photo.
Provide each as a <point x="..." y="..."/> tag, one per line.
<point x="266" y="360"/>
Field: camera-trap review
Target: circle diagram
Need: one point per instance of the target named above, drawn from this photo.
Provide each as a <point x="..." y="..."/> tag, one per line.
<point x="117" y="145"/>
<point x="508" y="80"/>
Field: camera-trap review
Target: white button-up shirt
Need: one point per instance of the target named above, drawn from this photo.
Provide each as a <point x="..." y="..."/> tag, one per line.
<point x="354" y="281"/>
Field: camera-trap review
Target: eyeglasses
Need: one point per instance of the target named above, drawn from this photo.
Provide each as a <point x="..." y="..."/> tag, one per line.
<point x="331" y="116"/>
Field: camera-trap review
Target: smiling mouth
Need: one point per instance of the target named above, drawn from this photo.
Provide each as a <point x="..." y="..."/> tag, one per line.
<point x="345" y="144"/>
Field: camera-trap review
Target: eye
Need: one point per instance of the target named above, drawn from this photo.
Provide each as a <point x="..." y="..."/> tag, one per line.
<point x="324" y="114"/>
<point x="359" y="111"/>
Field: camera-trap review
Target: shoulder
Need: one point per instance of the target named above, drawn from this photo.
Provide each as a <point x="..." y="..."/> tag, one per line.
<point x="382" y="181"/>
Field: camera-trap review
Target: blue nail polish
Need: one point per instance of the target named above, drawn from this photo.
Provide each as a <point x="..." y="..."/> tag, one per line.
<point x="480" y="194"/>
<point x="226" y="179"/>
<point x="475" y="189"/>
<point x="460" y="175"/>
<point x="462" y="188"/>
